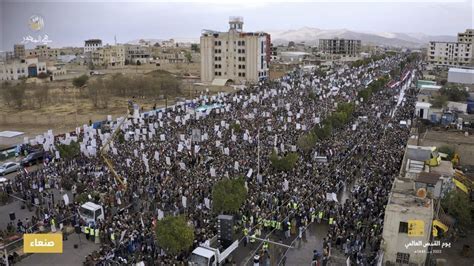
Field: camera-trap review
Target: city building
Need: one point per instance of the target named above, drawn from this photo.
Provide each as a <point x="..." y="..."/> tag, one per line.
<point x="235" y="55"/>
<point x="19" y="51"/>
<point x="92" y="45"/>
<point x="340" y="47"/>
<point x="408" y="217"/>
<point x="137" y="54"/>
<point x="447" y="54"/>
<point x="109" y="56"/>
<point x="44" y="52"/>
<point x="24" y="68"/>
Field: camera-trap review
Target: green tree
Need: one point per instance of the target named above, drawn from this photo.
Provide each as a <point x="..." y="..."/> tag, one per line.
<point x="285" y="163"/>
<point x="228" y="195"/>
<point x="80" y="81"/>
<point x="324" y="131"/>
<point x="188" y="56"/>
<point x="195" y="47"/>
<point x="306" y="142"/>
<point x="457" y="204"/>
<point x="70" y="151"/>
<point x="439" y="101"/>
<point x="174" y="234"/>
<point x="454" y="94"/>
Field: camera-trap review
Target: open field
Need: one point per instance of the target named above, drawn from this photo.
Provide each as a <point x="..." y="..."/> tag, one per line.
<point x="68" y="108"/>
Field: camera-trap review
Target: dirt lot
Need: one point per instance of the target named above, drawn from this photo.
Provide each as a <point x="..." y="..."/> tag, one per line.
<point x="68" y="109"/>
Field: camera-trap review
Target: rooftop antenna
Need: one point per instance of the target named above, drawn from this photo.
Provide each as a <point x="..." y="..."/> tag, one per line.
<point x="115" y="39"/>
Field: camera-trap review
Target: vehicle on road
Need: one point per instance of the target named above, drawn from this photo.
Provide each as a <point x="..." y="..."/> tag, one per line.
<point x="91" y="212"/>
<point x="34" y="158"/>
<point x="9" y="167"/>
<point x="209" y="256"/>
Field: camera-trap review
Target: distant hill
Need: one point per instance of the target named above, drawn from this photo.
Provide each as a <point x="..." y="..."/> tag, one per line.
<point x="312" y="35"/>
<point x="153" y="41"/>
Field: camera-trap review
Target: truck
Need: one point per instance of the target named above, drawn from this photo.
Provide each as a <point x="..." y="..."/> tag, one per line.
<point x="91" y="212"/>
<point x="210" y="256"/>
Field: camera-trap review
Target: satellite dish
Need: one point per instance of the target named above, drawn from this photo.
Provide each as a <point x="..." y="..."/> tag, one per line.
<point x="421" y="193"/>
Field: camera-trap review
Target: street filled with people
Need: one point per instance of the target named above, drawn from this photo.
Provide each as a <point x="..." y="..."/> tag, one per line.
<point x="170" y="159"/>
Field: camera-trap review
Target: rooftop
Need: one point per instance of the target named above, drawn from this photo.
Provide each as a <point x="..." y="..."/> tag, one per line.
<point x="403" y="196"/>
<point x="461" y="70"/>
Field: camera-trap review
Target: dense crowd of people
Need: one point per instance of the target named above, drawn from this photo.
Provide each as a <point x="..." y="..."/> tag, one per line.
<point x="170" y="160"/>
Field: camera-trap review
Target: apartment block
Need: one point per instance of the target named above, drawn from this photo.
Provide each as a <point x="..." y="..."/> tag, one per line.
<point x="235" y="55"/>
<point x="448" y="54"/>
<point x="340" y="47"/>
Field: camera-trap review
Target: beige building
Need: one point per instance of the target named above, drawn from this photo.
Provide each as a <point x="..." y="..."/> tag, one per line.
<point x="446" y="54"/>
<point x="340" y="47"/>
<point x="402" y="209"/>
<point x="109" y="56"/>
<point x="234" y="55"/>
<point x="44" y="52"/>
<point x="18" y="69"/>
<point x="19" y="51"/>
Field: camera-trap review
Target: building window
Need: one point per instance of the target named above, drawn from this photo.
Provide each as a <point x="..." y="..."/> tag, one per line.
<point x="403" y="258"/>
<point x="403" y="228"/>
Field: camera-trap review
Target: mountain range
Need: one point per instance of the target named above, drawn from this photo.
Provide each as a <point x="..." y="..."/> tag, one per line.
<point x="312" y="35"/>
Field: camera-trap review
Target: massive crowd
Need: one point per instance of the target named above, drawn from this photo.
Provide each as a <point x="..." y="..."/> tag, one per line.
<point x="170" y="172"/>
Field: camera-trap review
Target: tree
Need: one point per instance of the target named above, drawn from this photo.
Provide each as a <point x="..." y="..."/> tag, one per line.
<point x="306" y="142"/>
<point x="188" y="56"/>
<point x="285" y="163"/>
<point x="324" y="131"/>
<point x="454" y="94"/>
<point x="174" y="234"/>
<point x="228" y="195"/>
<point x="195" y="47"/>
<point x="70" y="151"/>
<point x="80" y="81"/>
<point x="439" y="101"/>
<point x="457" y="204"/>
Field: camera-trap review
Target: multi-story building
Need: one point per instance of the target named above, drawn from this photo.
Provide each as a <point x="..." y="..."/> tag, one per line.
<point x="44" y="52"/>
<point x="446" y="54"/>
<point x="137" y="53"/>
<point x="109" y="56"/>
<point x="19" y="51"/>
<point x="340" y="47"/>
<point x="92" y="45"/>
<point x="24" y="68"/>
<point x="236" y="55"/>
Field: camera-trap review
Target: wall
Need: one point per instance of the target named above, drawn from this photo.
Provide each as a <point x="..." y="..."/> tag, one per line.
<point x="395" y="242"/>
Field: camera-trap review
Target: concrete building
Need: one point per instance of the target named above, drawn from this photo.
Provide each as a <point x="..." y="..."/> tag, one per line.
<point x="92" y="45"/>
<point x="447" y="54"/>
<point x="408" y="218"/>
<point x="17" y="69"/>
<point x="19" y="51"/>
<point x="137" y="53"/>
<point x="44" y="52"/>
<point x="109" y="56"/>
<point x="340" y="47"/>
<point x="462" y="76"/>
<point x="234" y="55"/>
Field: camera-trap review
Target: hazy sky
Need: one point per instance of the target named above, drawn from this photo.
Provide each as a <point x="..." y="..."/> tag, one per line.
<point x="71" y="22"/>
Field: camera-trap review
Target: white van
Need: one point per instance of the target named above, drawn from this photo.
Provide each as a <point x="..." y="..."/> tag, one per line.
<point x="91" y="212"/>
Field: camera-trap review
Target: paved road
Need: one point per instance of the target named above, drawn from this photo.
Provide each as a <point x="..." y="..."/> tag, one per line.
<point x="70" y="255"/>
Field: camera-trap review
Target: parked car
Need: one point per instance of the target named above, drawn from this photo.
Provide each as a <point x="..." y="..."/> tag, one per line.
<point x="9" y="167"/>
<point x="33" y="158"/>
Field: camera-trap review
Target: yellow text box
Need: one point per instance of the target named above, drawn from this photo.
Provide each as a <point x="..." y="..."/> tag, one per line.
<point x="416" y="228"/>
<point x="43" y="243"/>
